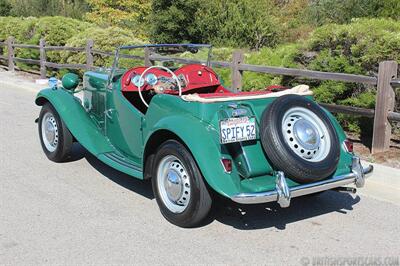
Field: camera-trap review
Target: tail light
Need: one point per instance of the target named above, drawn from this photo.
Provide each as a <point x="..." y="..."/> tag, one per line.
<point x="227" y="164"/>
<point x="348" y="145"/>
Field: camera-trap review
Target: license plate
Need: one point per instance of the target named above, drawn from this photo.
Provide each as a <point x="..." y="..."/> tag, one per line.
<point x="237" y="129"/>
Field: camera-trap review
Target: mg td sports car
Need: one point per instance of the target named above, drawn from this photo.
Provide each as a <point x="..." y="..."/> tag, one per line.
<point x="194" y="138"/>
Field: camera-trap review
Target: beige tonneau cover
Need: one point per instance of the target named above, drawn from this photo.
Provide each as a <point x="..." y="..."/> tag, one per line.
<point x="302" y="90"/>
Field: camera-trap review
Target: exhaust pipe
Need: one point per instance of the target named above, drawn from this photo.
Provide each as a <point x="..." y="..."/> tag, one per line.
<point x="346" y="189"/>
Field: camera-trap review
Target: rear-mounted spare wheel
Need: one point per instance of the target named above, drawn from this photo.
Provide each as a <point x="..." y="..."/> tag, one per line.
<point x="299" y="139"/>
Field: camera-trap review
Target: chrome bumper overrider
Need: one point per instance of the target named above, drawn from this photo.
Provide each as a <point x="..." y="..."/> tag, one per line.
<point x="283" y="193"/>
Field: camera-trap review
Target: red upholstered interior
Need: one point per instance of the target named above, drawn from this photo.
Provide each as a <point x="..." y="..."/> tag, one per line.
<point x="198" y="78"/>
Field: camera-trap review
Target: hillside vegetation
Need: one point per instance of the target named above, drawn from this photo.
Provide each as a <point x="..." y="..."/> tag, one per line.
<point x="328" y="35"/>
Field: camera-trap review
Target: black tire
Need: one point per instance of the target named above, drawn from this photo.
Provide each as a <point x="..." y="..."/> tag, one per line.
<point x="200" y="201"/>
<point x="279" y="152"/>
<point x="65" y="139"/>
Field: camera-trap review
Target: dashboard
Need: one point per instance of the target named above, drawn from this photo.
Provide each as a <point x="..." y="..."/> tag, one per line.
<point x="191" y="78"/>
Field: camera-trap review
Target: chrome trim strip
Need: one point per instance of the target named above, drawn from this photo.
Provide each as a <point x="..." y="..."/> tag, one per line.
<point x="301" y="190"/>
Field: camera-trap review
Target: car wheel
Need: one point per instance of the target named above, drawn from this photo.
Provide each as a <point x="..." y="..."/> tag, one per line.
<point x="178" y="186"/>
<point x="299" y="139"/>
<point x="55" y="137"/>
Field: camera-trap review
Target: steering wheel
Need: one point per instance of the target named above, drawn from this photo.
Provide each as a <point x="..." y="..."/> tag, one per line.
<point x="160" y="67"/>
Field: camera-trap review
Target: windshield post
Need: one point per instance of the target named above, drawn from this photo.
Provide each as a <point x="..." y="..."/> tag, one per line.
<point x="113" y="68"/>
<point x="209" y="57"/>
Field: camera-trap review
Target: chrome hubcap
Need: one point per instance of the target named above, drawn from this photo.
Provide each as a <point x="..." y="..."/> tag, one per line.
<point x="306" y="134"/>
<point x="173" y="184"/>
<point x="49" y="132"/>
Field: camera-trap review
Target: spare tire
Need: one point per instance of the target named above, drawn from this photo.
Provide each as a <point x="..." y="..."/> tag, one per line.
<point x="299" y="139"/>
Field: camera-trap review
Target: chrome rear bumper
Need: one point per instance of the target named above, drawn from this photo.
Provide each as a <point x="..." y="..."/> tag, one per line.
<point x="283" y="193"/>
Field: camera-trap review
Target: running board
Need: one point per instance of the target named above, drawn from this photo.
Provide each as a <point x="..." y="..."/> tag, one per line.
<point x="122" y="164"/>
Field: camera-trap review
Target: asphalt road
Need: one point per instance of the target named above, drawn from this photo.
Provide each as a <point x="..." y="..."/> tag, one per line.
<point x="84" y="212"/>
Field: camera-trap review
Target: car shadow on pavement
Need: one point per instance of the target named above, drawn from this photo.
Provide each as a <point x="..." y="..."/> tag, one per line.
<point x="138" y="186"/>
<point x="271" y="215"/>
<point x="242" y="217"/>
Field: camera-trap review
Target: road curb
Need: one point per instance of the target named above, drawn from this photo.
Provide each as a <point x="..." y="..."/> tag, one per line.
<point x="382" y="184"/>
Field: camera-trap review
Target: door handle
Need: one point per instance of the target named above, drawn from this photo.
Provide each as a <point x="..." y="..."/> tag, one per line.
<point x="108" y="113"/>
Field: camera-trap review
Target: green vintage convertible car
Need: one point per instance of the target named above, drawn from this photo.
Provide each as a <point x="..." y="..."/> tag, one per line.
<point x="194" y="138"/>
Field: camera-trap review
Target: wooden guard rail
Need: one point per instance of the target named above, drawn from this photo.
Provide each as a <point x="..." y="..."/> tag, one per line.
<point x="385" y="99"/>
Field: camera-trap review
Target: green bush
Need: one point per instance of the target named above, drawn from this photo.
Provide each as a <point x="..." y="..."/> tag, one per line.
<point x="355" y="48"/>
<point x="56" y="31"/>
<point x="338" y="11"/>
<point x="238" y="23"/>
<point x="282" y="56"/>
<point x="104" y="39"/>
<point x="362" y="44"/>
<point x="22" y="29"/>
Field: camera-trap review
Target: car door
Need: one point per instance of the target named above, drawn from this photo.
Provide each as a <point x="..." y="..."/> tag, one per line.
<point x="123" y="125"/>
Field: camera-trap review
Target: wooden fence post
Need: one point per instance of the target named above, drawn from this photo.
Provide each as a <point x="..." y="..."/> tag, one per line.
<point x="237" y="58"/>
<point x="147" y="61"/>
<point x="89" y="54"/>
<point x="42" y="51"/>
<point x="10" y="50"/>
<point x="385" y="101"/>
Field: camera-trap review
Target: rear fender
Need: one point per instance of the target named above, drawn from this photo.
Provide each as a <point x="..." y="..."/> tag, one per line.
<point x="76" y="119"/>
<point x="345" y="161"/>
<point x="201" y="139"/>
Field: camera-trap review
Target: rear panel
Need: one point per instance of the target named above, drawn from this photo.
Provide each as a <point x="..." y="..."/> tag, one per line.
<point x="251" y="171"/>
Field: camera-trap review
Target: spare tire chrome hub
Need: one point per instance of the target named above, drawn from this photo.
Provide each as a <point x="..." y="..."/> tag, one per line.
<point x="306" y="134"/>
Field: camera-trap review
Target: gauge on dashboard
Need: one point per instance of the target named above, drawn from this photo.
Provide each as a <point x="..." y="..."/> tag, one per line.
<point x="136" y="82"/>
<point x="151" y="79"/>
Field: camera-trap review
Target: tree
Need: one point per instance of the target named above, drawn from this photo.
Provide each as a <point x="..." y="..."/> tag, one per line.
<point x="122" y="13"/>
<point x="174" y="21"/>
<point x="41" y="8"/>
<point x="238" y="23"/>
<point x="4" y="8"/>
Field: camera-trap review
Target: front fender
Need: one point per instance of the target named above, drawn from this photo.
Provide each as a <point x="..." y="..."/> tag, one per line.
<point x="202" y="141"/>
<point x="76" y="119"/>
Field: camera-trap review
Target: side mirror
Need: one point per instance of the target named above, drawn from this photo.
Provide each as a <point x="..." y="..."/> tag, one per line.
<point x="70" y="81"/>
